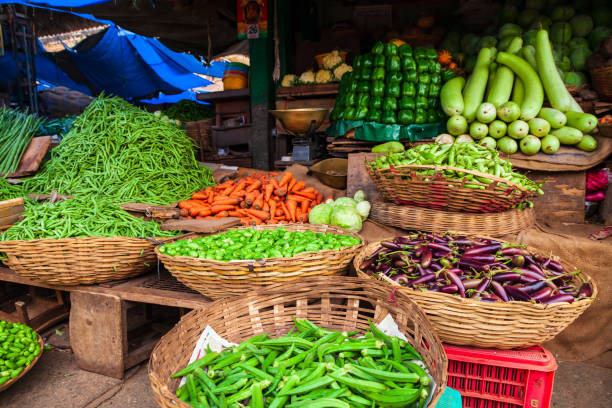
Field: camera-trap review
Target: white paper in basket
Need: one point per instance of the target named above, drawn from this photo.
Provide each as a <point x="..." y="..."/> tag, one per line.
<point x="217" y="343"/>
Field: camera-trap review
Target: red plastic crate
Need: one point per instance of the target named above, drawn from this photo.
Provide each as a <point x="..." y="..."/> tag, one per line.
<point x="491" y="378"/>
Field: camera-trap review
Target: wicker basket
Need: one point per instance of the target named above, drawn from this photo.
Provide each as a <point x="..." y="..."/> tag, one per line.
<point x="605" y="130"/>
<point x="424" y="219"/>
<point x="79" y="261"/>
<point x="501" y="325"/>
<point x="337" y="304"/>
<point x="23" y="372"/>
<point x="402" y="185"/>
<point x="602" y="82"/>
<point x="218" y="279"/>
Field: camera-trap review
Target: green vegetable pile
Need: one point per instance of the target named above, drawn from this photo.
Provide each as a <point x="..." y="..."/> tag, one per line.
<point x="189" y="111"/>
<point x="122" y="153"/>
<point x="345" y="212"/>
<point x="79" y="217"/>
<point x="56" y="126"/>
<point x="249" y="243"/>
<point x="308" y="367"/>
<point x="9" y="191"/>
<point x="469" y="156"/>
<point x="19" y="346"/>
<point x="392" y="85"/>
<point x="16" y="132"/>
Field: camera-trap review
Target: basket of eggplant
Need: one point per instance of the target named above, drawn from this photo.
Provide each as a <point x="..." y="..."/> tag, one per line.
<point x="481" y="291"/>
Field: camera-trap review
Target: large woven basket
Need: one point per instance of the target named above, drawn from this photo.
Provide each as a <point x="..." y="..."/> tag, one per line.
<point x="602" y="82"/>
<point x="23" y="372"/>
<point x="425" y="219"/>
<point x="79" y="261"/>
<point x="402" y="185"/>
<point x="337" y="304"/>
<point x="501" y="325"/>
<point x="218" y="279"/>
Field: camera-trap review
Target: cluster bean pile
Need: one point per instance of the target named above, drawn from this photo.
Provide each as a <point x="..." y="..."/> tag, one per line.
<point x="8" y="191"/>
<point x="18" y="347"/>
<point x="123" y="153"/>
<point x="469" y="156"/>
<point x="79" y="217"/>
<point x="16" y="132"/>
<point x="248" y="243"/>
<point x="308" y="367"/>
<point x="482" y="269"/>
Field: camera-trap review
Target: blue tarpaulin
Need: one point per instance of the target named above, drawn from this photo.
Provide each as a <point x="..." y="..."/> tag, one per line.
<point x="56" y="3"/>
<point x="163" y="98"/>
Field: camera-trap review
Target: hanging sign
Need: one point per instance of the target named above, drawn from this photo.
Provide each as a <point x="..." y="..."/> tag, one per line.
<point x="252" y="19"/>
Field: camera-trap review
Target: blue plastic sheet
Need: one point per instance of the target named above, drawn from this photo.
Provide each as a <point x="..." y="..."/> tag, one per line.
<point x="163" y="98"/>
<point x="56" y="3"/>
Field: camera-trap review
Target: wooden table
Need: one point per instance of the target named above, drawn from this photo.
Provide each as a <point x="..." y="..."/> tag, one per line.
<point x="98" y="317"/>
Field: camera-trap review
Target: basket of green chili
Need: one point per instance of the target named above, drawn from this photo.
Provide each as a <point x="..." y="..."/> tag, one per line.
<point x="244" y="259"/>
<point x="80" y="242"/>
<point x="22" y="348"/>
<point x="463" y="177"/>
<point x="308" y="343"/>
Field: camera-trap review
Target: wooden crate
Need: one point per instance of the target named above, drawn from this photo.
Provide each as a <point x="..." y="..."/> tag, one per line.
<point x="563" y="199"/>
<point x="10" y="212"/>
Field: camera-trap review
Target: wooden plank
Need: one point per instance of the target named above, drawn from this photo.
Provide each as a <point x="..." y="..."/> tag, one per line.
<point x="33" y="156"/>
<point x="563" y="199"/>
<point x="224" y="95"/>
<point x="203" y="226"/>
<point x="358" y="177"/>
<point x="308" y="90"/>
<point x="14" y="202"/>
<point x="140" y="354"/>
<point x="97" y="327"/>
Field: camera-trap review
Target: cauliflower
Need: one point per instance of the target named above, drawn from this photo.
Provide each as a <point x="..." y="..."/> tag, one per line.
<point x="332" y="60"/>
<point x="323" y="76"/>
<point x="288" y="80"/>
<point x="341" y="70"/>
<point x="307" y="78"/>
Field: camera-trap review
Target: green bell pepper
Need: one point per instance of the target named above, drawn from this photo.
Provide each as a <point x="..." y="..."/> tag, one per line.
<point x="340" y="100"/>
<point x="431" y="53"/>
<point x="367" y="61"/>
<point x="388" y="117"/>
<point x="377" y="88"/>
<point x="379" y="60"/>
<point x="392" y="90"/>
<point x="374" y="115"/>
<point x="434" y="90"/>
<point x="378" y="48"/>
<point x="389" y="104"/>
<point x="363" y="99"/>
<point x="447" y="75"/>
<point x="393" y="64"/>
<point x="408" y="89"/>
<point x="395" y="77"/>
<point x="361" y="112"/>
<point x="433" y="102"/>
<point x="434" y="67"/>
<point x="419" y="52"/>
<point x="422" y="102"/>
<point x="407" y="103"/>
<point x="436" y="79"/>
<point x="422" y="65"/>
<point x="339" y="113"/>
<point x="432" y="116"/>
<point x="391" y="50"/>
<point x="420" y="116"/>
<point x="424" y="78"/>
<point x="376" y="102"/>
<point x="366" y="74"/>
<point x="411" y="76"/>
<point x="378" y="74"/>
<point x="357" y="63"/>
<point x="405" y="50"/>
<point x="363" y="86"/>
<point x="353" y="85"/>
<point x="408" y="64"/>
<point x="405" y="117"/>
<point x="334" y="113"/>
<point x="345" y="82"/>
<point x="422" y="89"/>
<point x="349" y="113"/>
<point x="351" y="98"/>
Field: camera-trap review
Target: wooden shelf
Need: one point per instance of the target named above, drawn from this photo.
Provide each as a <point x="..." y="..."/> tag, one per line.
<point x="224" y="95"/>
<point x="304" y="91"/>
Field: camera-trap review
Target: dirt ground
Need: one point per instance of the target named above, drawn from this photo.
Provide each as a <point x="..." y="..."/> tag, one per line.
<point x="56" y="382"/>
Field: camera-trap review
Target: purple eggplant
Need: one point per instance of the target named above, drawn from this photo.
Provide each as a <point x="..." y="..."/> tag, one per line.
<point x="424" y="279"/>
<point x="419" y="251"/>
<point x="483" y="285"/>
<point x="556" y="266"/>
<point x="455" y="279"/>
<point x="401" y="278"/>
<point x="507" y="277"/>
<point x="482" y="258"/>
<point x="387" y="270"/>
<point x="421" y="270"/>
<point x="514" y="251"/>
<point x="558" y="299"/>
<point x="517" y="293"/>
<point x="546" y="263"/>
<point x="366" y="264"/>
<point x="426" y="257"/>
<point x="399" y="264"/>
<point x="586" y="290"/>
<point x="459" y="241"/>
<point x="468" y="263"/>
<point x="471" y="283"/>
<point x="500" y="291"/>
<point x="436" y="239"/>
<point x="439" y="247"/>
<point x="529" y="260"/>
<point x="541" y="294"/>
<point x="452" y="288"/>
<point x="390" y="245"/>
<point x="527" y="275"/>
<point x="518" y="260"/>
<point x="534" y="286"/>
<point x="483" y="249"/>
<point x="375" y="253"/>
<point x="537" y="269"/>
<point x="435" y="266"/>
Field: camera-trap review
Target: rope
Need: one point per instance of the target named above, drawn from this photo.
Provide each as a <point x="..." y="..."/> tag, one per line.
<point x="276" y="71"/>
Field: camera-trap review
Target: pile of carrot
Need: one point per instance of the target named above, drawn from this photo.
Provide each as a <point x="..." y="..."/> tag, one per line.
<point x="269" y="198"/>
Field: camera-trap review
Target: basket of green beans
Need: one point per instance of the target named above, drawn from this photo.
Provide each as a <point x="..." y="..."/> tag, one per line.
<point x="20" y="349"/>
<point x="460" y="177"/>
<point x="308" y="343"/>
<point x="80" y="242"/>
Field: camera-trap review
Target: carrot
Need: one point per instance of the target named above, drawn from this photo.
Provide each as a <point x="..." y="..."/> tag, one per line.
<point x="258" y="203"/>
<point x="286" y="178"/>
<point x="319" y="197"/>
<point x="272" y="208"/>
<point x="300" y="185"/>
<point x="223" y="214"/>
<point x="280" y="192"/>
<point x="269" y="190"/>
<point x="227" y="201"/>
<point x="210" y="217"/>
<point x="218" y="208"/>
<point x="240" y="186"/>
<point x="304" y="206"/>
<point x="235" y="213"/>
<point x="228" y="190"/>
<point x="254" y="186"/>
<point x="200" y="195"/>
<point x="184" y="212"/>
<point x="310" y="196"/>
<point x="274" y="183"/>
<point x="250" y="197"/>
<point x="303" y="217"/>
<point x="292" y="183"/>
<point x="211" y="197"/>
<point x="183" y="204"/>
<point x="292" y="207"/>
<point x="297" y="198"/>
<point x="266" y="206"/>
<point x="201" y="211"/>
<point x="262" y="215"/>
<point x="279" y="212"/>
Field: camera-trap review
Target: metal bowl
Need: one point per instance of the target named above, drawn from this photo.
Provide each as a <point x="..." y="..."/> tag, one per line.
<point x="300" y="120"/>
<point x="331" y="172"/>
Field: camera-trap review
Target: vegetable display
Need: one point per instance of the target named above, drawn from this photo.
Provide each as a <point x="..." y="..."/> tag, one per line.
<point x="19" y="347"/>
<point x="80" y="217"/>
<point x="469" y="156"/>
<point x="332" y="69"/>
<point x="481" y="269"/>
<point x="248" y="243"/>
<point x="392" y="85"/>
<point x="511" y="117"/>
<point x="309" y="367"/>
<point x="56" y="126"/>
<point x="189" y="111"/>
<point x="122" y="153"/>
<point x="256" y="199"/>
<point x="345" y="212"/>
<point x="9" y="191"/>
<point x="16" y="132"/>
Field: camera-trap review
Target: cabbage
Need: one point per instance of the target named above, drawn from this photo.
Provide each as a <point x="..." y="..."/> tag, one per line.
<point x="359" y="196"/>
<point x="363" y="208"/>
<point x="345" y="201"/>
<point x="320" y="214"/>
<point x="329" y="201"/>
<point x="347" y="218"/>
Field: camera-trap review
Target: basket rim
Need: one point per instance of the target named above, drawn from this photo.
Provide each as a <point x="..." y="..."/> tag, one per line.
<point x="469" y="301"/>
<point x="23" y="372"/>
<point x="453" y="168"/>
<point x="116" y="238"/>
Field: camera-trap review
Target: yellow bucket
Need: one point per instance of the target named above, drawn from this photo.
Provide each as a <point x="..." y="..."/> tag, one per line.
<point x="234" y="82"/>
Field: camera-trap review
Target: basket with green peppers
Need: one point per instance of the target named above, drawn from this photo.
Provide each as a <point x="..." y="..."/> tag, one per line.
<point x="462" y="177"/>
<point x="20" y="349"/>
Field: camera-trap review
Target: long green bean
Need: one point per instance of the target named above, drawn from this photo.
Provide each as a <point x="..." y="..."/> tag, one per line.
<point x="120" y="152"/>
<point x="16" y="132"/>
<point x="9" y="191"/>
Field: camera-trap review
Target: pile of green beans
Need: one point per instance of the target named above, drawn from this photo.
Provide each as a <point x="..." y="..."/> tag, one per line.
<point x="123" y="153"/>
<point x="80" y="217"/>
<point x="16" y="132"/>
<point x="9" y="191"/>
<point x="469" y="156"/>
<point x="309" y="367"/>
<point x="18" y="348"/>
<point x="189" y="111"/>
